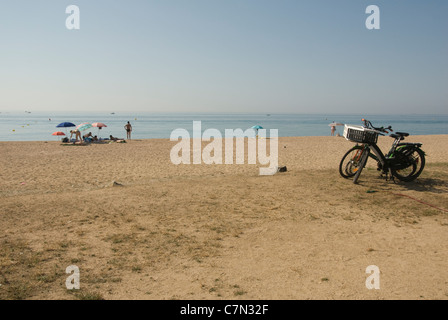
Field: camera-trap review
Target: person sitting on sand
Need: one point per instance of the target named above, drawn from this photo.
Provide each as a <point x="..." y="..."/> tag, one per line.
<point x="88" y="137"/>
<point x="95" y="138"/>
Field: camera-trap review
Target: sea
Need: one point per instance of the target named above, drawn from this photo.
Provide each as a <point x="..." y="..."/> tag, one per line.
<point x="30" y="126"/>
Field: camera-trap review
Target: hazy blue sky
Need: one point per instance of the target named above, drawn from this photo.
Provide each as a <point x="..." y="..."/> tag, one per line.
<point x="288" y="56"/>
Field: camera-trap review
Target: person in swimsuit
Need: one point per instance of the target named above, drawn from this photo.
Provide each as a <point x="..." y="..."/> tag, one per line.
<point x="77" y="134"/>
<point x="128" y="129"/>
<point x="88" y="137"/>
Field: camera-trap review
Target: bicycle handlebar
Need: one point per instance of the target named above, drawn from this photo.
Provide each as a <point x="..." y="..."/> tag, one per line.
<point x="369" y="125"/>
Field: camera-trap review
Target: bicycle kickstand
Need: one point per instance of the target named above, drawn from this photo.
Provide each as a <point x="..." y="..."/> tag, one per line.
<point x="392" y="177"/>
<point x="387" y="176"/>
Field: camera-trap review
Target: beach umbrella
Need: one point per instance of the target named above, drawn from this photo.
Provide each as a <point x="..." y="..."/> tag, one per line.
<point x="257" y="128"/>
<point x="99" y="125"/>
<point x="83" y="126"/>
<point x="58" y="134"/>
<point x="66" y="125"/>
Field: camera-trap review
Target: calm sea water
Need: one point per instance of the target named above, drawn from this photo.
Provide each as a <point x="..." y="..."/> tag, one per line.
<point x="40" y="126"/>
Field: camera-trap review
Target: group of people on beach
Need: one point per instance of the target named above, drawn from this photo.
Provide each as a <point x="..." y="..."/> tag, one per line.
<point x="90" y="138"/>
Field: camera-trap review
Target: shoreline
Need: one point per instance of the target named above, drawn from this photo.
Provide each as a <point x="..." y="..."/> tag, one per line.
<point x="280" y="137"/>
<point x="37" y="128"/>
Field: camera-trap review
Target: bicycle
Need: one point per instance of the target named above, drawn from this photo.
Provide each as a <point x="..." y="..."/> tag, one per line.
<point x="404" y="161"/>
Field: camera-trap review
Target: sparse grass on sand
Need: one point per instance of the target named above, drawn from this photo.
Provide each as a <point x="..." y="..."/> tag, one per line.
<point x="221" y="233"/>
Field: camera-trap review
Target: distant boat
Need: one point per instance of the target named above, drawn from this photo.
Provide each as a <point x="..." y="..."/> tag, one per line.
<point x="113" y="113"/>
<point x="268" y="115"/>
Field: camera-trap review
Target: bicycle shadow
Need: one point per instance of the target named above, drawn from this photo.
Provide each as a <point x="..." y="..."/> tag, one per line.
<point x="433" y="185"/>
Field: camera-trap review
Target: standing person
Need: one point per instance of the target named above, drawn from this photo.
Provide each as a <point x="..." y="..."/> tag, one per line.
<point x="77" y="134"/>
<point x="128" y="129"/>
<point x="333" y="130"/>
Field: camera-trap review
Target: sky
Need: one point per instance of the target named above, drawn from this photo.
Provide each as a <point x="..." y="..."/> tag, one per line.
<point x="262" y="56"/>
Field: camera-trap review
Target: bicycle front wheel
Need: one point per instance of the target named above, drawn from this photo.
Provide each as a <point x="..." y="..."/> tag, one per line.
<point x="362" y="164"/>
<point x="350" y="162"/>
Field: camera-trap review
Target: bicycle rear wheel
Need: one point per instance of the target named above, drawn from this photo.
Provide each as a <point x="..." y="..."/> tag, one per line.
<point x="362" y="164"/>
<point x="410" y="162"/>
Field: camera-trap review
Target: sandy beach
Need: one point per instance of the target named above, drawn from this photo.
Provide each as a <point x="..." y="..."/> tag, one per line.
<point x="140" y="227"/>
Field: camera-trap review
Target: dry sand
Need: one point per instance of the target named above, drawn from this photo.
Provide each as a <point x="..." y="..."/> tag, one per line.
<point x="217" y="231"/>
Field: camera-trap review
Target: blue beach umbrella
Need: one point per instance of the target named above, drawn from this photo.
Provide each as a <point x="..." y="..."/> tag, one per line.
<point x="66" y="125"/>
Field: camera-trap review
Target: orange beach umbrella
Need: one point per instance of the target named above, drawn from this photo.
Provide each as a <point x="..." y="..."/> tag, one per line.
<point x="58" y="133"/>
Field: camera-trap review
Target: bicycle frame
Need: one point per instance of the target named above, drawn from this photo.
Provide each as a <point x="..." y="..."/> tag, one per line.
<point x="377" y="154"/>
<point x="385" y="160"/>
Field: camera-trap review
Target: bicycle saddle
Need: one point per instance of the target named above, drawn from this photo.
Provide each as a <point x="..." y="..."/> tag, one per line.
<point x="400" y="135"/>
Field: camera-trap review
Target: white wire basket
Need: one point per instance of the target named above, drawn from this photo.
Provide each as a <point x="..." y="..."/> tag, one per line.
<point x="360" y="134"/>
